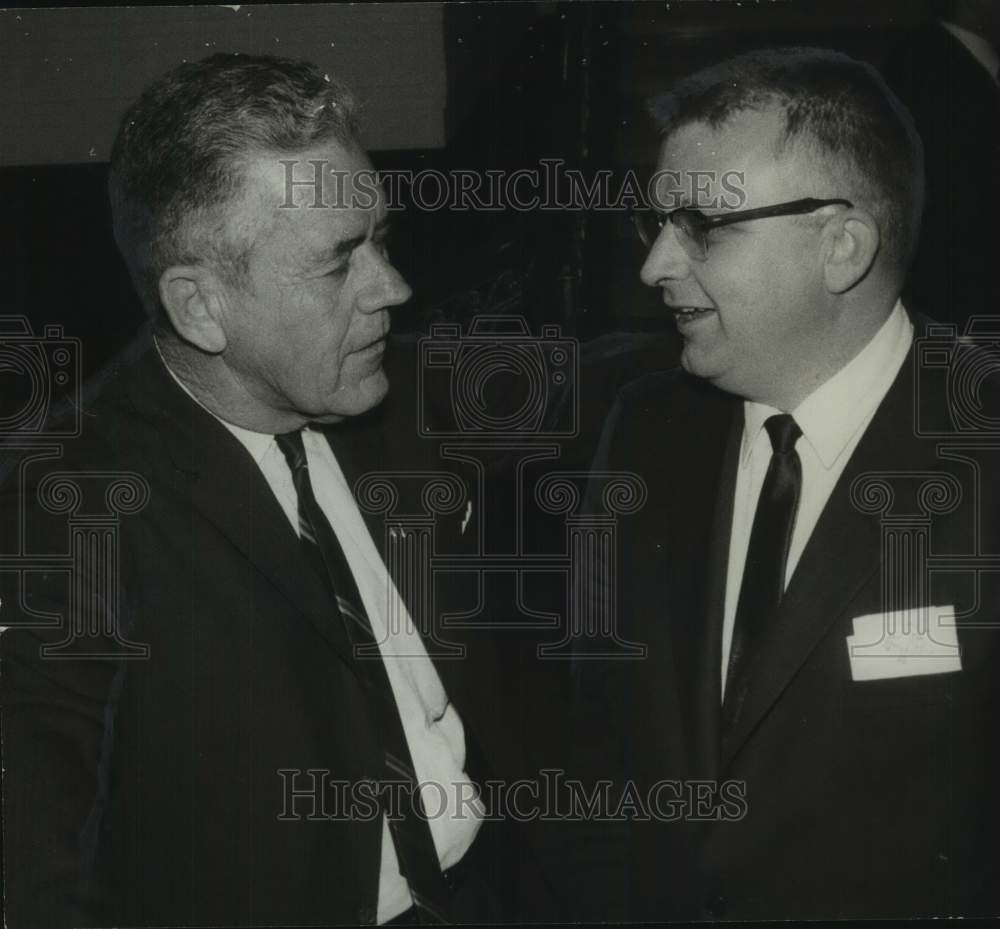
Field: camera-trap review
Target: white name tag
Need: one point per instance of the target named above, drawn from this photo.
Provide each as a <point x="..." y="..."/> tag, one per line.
<point x="904" y="644"/>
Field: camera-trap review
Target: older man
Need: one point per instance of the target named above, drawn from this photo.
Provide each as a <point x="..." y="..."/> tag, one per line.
<point x="821" y="638"/>
<point x="243" y="745"/>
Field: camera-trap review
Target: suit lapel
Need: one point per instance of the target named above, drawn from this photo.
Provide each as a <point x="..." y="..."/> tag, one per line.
<point x="709" y="694"/>
<point x="223" y="483"/>
<point x="842" y="554"/>
<point x="698" y="558"/>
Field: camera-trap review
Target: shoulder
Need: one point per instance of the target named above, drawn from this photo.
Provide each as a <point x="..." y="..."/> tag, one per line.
<point x="669" y="400"/>
<point x="104" y="425"/>
<point x="654" y="414"/>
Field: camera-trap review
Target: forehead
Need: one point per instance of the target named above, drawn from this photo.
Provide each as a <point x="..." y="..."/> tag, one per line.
<point x="309" y="200"/>
<point x="742" y="152"/>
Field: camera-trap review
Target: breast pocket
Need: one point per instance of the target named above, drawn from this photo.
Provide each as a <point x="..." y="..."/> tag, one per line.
<point x="921" y="690"/>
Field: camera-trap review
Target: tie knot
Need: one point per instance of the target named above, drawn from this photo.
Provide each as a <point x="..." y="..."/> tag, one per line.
<point x="784" y="433"/>
<point x="292" y="448"/>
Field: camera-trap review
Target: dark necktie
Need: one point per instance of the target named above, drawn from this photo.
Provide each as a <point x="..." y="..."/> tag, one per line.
<point x="767" y="555"/>
<point x="411" y="834"/>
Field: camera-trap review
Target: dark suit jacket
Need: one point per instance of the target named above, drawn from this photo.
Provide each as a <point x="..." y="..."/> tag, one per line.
<point x="147" y="791"/>
<point x="862" y="798"/>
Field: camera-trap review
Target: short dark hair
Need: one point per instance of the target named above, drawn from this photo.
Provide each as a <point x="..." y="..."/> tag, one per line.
<point x="180" y="153"/>
<point x="839" y="107"/>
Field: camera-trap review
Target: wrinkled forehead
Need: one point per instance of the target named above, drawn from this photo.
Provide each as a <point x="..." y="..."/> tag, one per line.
<point x="329" y="176"/>
<point x="311" y="200"/>
<point x="739" y="164"/>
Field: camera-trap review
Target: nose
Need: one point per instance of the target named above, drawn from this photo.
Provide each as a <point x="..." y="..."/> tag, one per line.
<point x="666" y="261"/>
<point x="383" y="286"/>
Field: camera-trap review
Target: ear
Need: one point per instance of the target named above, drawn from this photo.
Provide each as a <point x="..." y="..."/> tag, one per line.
<point x="851" y="242"/>
<point x="193" y="301"/>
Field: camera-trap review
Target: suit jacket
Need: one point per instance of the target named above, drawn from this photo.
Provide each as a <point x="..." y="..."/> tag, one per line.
<point x="846" y="798"/>
<point x="147" y="790"/>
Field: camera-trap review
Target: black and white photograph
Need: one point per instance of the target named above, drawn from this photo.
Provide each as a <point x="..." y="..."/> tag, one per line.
<point x="499" y="463"/>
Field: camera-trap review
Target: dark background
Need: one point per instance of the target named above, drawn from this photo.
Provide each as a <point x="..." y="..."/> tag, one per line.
<point x="520" y="82"/>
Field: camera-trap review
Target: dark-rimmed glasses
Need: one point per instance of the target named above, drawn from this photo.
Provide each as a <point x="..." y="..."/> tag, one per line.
<point x="693" y="226"/>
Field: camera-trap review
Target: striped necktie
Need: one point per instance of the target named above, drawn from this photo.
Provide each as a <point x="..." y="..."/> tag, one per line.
<point x="411" y="834"/>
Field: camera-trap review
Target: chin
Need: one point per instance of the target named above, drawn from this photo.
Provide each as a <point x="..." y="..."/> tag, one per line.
<point x="695" y="362"/>
<point x="356" y="399"/>
<point x="710" y="365"/>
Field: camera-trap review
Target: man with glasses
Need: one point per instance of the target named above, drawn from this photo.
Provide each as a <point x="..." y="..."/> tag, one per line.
<point x="822" y="692"/>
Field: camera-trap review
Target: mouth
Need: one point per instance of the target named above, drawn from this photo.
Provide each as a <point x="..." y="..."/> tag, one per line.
<point x="689" y="315"/>
<point x="373" y="348"/>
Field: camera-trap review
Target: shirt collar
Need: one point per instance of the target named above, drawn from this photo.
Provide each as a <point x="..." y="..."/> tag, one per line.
<point x="258" y="444"/>
<point x="833" y="413"/>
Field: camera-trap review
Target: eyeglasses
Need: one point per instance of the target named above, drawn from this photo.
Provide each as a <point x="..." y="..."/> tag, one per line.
<point x="693" y="226"/>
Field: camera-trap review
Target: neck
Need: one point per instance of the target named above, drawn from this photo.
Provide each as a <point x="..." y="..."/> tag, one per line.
<point x="856" y="326"/>
<point x="214" y="385"/>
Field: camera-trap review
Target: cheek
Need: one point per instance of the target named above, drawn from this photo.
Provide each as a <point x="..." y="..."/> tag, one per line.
<point x="331" y="313"/>
<point x="318" y="325"/>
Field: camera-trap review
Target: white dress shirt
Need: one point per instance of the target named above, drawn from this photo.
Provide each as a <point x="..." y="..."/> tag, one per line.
<point x="832" y="419"/>
<point x="432" y="726"/>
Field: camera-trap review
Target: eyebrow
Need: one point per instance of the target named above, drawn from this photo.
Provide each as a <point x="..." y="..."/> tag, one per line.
<point x="348" y="245"/>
